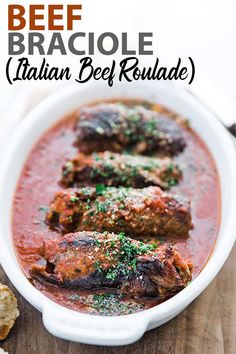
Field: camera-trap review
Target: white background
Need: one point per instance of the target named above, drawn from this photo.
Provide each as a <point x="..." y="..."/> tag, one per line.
<point x="202" y="29"/>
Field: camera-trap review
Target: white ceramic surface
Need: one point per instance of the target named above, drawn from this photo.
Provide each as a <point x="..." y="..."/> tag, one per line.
<point x="120" y="330"/>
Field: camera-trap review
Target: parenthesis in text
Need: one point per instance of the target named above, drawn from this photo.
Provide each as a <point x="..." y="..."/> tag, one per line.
<point x="8" y="70"/>
<point x="193" y="70"/>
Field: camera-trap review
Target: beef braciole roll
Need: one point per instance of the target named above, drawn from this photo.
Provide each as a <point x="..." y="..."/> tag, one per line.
<point x="113" y="169"/>
<point x="91" y="260"/>
<point x="116" y="127"/>
<point x="138" y="212"/>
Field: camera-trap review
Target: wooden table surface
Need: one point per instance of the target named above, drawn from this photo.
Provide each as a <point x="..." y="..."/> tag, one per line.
<point x="207" y="326"/>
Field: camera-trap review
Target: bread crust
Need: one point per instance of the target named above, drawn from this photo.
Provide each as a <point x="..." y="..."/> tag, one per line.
<point x="8" y="310"/>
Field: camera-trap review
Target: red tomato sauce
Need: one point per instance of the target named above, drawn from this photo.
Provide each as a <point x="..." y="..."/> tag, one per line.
<point x="39" y="181"/>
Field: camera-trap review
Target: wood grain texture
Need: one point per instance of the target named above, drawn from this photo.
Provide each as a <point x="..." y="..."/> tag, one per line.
<point x="207" y="326"/>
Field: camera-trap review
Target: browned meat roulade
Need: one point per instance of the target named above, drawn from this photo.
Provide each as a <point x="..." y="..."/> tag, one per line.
<point x="116" y="127"/>
<point x="91" y="260"/>
<point x="115" y="169"/>
<point x="138" y="212"/>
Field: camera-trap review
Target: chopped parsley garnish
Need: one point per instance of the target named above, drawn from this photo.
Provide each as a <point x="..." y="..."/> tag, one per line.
<point x="151" y="127"/>
<point x="97" y="242"/>
<point x="172" y="182"/>
<point x="96" y="157"/>
<point x="170" y="167"/>
<point x="125" y="256"/>
<point x="97" y="266"/>
<point x="74" y="199"/>
<point x="86" y="190"/>
<point x="107" y="304"/>
<point x="100" y="188"/>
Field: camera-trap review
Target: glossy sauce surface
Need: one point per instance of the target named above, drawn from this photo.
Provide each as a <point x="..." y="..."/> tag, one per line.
<point x="39" y="182"/>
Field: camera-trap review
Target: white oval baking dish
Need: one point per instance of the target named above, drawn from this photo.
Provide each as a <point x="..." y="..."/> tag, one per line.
<point x="118" y="330"/>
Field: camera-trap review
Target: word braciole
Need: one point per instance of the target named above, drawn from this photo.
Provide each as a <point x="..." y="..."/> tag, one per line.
<point x="79" y="43"/>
